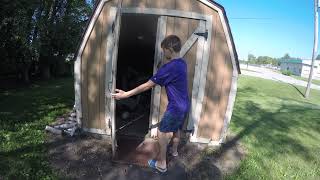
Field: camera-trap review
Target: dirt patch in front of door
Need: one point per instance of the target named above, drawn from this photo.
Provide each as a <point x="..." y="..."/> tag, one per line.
<point x="86" y="157"/>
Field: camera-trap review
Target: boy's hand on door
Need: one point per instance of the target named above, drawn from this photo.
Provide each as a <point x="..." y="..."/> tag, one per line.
<point x="120" y="94"/>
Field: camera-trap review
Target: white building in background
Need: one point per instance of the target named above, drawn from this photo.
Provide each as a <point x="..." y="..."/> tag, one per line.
<point x="301" y="67"/>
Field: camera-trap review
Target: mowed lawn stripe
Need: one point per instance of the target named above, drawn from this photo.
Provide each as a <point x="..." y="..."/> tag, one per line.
<point x="279" y="128"/>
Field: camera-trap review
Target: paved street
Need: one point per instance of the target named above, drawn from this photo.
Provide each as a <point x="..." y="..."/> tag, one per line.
<point x="272" y="75"/>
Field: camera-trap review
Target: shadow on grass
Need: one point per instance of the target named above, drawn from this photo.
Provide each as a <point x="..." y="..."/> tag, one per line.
<point x="298" y="90"/>
<point x="282" y="129"/>
<point x="24" y="112"/>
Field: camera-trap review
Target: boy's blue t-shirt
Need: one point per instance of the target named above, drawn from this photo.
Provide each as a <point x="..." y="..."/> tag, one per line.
<point x="173" y="76"/>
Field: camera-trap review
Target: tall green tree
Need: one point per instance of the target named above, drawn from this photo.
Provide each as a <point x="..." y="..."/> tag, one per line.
<point x="39" y="33"/>
<point x="286" y="56"/>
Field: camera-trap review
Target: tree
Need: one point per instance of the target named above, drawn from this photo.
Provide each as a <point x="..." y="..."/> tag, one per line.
<point x="286" y="56"/>
<point x="42" y="32"/>
<point x="251" y="59"/>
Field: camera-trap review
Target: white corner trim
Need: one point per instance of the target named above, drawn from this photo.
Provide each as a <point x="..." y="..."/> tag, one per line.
<point x="214" y="143"/>
<point x="228" y="114"/>
<point x="200" y="140"/>
<point x="209" y="142"/>
<point x="77" y="90"/>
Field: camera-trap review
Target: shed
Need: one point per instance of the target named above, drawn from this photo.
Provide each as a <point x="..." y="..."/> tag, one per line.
<point x="120" y="48"/>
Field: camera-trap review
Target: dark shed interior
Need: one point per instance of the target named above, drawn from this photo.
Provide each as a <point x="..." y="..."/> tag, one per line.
<point x="134" y="67"/>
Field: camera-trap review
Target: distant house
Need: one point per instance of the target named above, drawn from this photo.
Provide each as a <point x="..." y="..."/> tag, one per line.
<point x="300" y="67"/>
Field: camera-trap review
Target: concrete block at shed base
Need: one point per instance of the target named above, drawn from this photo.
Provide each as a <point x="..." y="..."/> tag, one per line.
<point x="53" y="130"/>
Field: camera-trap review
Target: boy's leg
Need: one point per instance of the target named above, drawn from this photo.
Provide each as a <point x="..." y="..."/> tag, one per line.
<point x="164" y="138"/>
<point x="175" y="142"/>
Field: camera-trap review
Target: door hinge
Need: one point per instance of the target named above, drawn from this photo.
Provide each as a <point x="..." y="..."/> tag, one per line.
<point x="204" y="34"/>
<point x="112" y="27"/>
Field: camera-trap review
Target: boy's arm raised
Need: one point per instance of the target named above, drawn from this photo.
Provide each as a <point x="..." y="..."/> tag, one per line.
<point x="120" y="94"/>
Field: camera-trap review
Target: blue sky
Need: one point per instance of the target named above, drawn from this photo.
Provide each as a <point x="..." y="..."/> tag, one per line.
<point x="279" y="27"/>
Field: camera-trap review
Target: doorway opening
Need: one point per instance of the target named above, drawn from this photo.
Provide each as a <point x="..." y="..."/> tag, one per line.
<point x="134" y="66"/>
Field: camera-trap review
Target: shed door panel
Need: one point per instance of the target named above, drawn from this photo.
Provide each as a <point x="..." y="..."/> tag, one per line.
<point x="111" y="60"/>
<point x="192" y="50"/>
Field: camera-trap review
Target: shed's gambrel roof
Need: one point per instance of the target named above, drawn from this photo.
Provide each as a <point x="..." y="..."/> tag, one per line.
<point x="209" y="1"/>
<point x="230" y="33"/>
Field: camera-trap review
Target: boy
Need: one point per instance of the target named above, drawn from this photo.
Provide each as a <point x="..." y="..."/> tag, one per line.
<point x="173" y="76"/>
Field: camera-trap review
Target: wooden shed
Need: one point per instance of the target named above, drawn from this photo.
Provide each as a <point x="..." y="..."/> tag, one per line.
<point x="120" y="48"/>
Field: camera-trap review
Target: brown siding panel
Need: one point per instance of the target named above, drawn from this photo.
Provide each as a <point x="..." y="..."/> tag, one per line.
<point x="93" y="76"/>
<point x="102" y="66"/>
<point x="217" y="85"/>
<point x="154" y="4"/>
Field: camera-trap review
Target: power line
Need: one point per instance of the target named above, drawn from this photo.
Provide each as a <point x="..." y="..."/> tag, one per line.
<point x="250" y="18"/>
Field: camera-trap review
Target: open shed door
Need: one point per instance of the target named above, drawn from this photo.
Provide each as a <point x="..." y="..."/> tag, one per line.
<point x="111" y="64"/>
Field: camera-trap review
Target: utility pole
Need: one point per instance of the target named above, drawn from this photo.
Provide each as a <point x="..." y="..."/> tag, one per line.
<point x="315" y="46"/>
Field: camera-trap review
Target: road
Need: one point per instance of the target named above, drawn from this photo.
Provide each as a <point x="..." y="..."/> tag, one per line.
<point x="266" y="73"/>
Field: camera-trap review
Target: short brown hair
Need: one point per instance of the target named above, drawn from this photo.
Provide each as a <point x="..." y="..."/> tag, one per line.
<point x="172" y="42"/>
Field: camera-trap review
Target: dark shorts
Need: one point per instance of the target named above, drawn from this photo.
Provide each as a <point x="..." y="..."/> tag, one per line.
<point x="171" y="122"/>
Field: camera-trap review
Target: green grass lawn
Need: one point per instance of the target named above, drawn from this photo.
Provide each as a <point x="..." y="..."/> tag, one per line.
<point x="24" y="113"/>
<point x="279" y="128"/>
<point x="314" y="81"/>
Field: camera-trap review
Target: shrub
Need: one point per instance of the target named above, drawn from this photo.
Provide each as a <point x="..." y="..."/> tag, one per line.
<point x="286" y="72"/>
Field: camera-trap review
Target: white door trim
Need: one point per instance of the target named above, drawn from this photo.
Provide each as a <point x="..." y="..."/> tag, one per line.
<point x="203" y="79"/>
<point x="116" y="35"/>
<point x="165" y="12"/>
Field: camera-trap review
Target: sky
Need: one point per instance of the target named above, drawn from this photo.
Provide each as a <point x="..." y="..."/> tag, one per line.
<point x="271" y="27"/>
